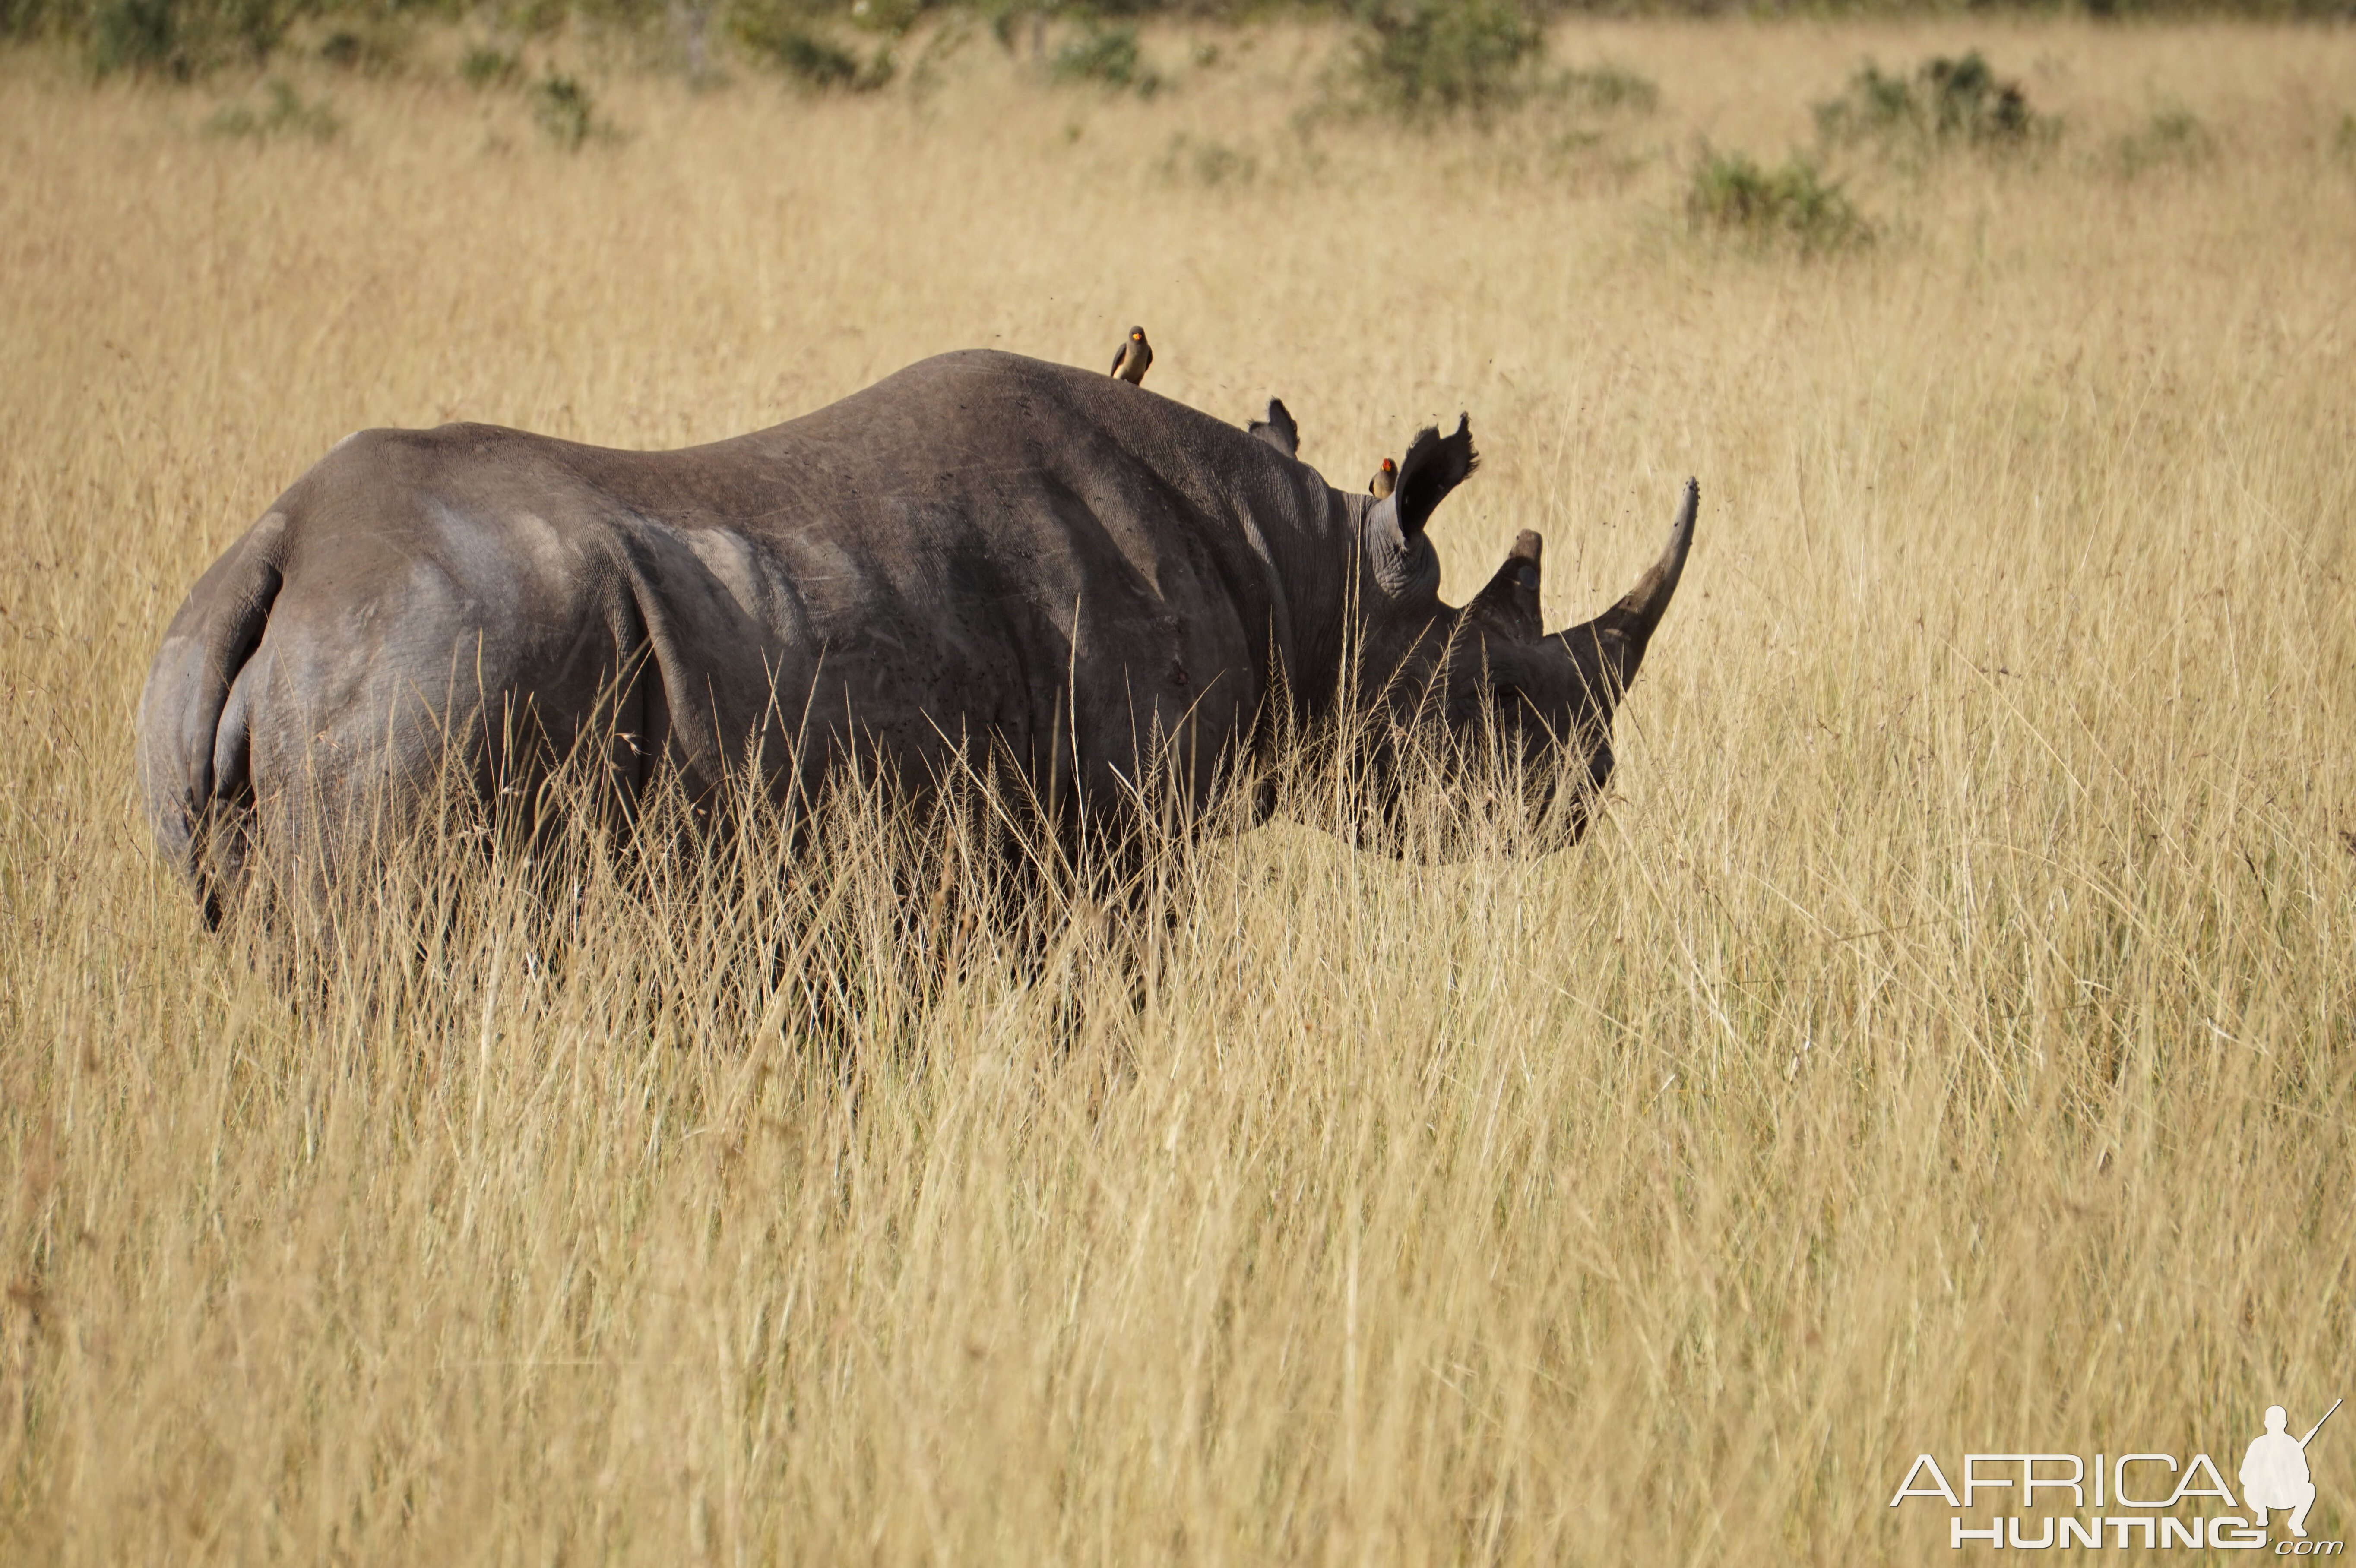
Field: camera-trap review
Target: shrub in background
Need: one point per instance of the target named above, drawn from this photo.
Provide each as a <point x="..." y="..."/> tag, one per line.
<point x="1108" y="55"/>
<point x="2172" y="137"/>
<point x="376" y="47"/>
<point x="486" y="66"/>
<point x="794" y="39"/>
<point x="563" y="109"/>
<point x="1207" y="161"/>
<point x="136" y="36"/>
<point x="184" y="38"/>
<point x="1794" y="204"/>
<point x="285" y="113"/>
<point x="1422" y="58"/>
<point x="1946" y="103"/>
<point x="1605" y="88"/>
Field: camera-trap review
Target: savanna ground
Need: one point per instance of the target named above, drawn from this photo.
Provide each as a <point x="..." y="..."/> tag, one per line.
<point x="1943" y="1044"/>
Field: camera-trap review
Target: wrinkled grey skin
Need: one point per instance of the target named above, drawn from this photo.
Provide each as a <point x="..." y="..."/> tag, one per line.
<point x="981" y="546"/>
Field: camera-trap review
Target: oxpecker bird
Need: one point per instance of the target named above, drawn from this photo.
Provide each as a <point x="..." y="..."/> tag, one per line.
<point x="1385" y="481"/>
<point x="1135" y="355"/>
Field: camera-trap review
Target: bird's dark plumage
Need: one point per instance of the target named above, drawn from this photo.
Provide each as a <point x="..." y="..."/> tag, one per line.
<point x="1136" y="354"/>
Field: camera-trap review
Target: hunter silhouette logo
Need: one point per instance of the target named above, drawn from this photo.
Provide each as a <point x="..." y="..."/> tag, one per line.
<point x="2275" y="1474"/>
<point x="2147" y="1499"/>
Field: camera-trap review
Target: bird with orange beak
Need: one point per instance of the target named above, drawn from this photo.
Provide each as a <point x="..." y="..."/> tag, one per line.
<point x="1136" y="354"/>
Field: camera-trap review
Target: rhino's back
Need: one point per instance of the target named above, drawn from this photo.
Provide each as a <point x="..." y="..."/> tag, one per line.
<point x="1046" y="468"/>
<point x="981" y="540"/>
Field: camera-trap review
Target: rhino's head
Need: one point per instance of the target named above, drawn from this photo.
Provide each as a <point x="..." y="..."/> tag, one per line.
<point x="1514" y="716"/>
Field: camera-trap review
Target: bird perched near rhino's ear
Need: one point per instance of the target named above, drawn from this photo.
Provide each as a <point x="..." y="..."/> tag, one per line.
<point x="1136" y="354"/>
<point x="1385" y="481"/>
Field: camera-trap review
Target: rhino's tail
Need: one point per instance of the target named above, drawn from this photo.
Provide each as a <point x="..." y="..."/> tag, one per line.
<point x="195" y="738"/>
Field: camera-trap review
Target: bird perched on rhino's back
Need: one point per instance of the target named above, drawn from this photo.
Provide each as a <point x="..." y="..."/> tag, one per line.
<point x="1385" y="481"/>
<point x="1135" y="357"/>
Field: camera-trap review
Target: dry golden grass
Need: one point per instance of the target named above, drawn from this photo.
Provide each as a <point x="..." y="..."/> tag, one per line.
<point x="1943" y="1042"/>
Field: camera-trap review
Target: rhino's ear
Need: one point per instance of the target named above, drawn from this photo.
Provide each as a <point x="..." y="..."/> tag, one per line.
<point x="1509" y="605"/>
<point x="1434" y="465"/>
<point x="1278" y="430"/>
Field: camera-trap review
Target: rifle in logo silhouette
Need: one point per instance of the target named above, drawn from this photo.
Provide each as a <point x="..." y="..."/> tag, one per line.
<point x="2275" y="1473"/>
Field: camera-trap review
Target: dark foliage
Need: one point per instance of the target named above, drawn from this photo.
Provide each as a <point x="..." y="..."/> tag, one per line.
<point x="182" y="38"/>
<point x="1794" y="204"/>
<point x="1109" y="56"/>
<point x="484" y="66"/>
<point x="564" y="111"/>
<point x="1945" y="103"/>
<point x="284" y="114"/>
<point x="1426" y="58"/>
<point x="805" y="53"/>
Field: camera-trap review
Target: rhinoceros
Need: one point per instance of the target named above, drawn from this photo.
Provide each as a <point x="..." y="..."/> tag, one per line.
<point x="981" y="550"/>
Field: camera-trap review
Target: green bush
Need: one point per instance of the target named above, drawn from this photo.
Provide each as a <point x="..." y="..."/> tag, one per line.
<point x="893" y="18"/>
<point x="810" y="56"/>
<point x="1605" y="88"/>
<point x="1009" y="19"/>
<point x="564" y="111"/>
<point x="136" y="35"/>
<point x="285" y="114"/>
<point x="184" y="38"/>
<point x="1209" y="163"/>
<point x="1967" y="101"/>
<point x="1427" y="57"/>
<point x="373" y="49"/>
<point x="1109" y="56"/>
<point x="2172" y="136"/>
<point x="482" y="66"/>
<point x="1946" y="102"/>
<point x="1794" y="204"/>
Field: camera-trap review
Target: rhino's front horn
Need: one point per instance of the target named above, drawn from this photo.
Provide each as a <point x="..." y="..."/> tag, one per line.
<point x="1618" y="635"/>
